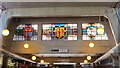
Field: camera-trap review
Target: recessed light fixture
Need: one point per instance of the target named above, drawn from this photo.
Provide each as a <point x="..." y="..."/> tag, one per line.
<point x="33" y="57"/>
<point x="41" y="61"/>
<point x="91" y="45"/>
<point x="85" y="61"/>
<point x="5" y="32"/>
<point x="88" y="57"/>
<point x="26" y="45"/>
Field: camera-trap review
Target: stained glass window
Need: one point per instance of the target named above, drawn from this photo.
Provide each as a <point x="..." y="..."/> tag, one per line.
<point x="93" y="31"/>
<point x="59" y="32"/>
<point x="26" y="32"/>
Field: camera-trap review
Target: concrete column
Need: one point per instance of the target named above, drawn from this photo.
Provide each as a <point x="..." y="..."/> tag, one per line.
<point x="115" y="58"/>
<point x="1" y="59"/>
<point x="119" y="60"/>
<point x="4" y="16"/>
<point x="5" y="61"/>
<point x="94" y="65"/>
<point x="77" y="65"/>
<point x="1" y="55"/>
<point x="119" y="53"/>
<point x="113" y="20"/>
<point x="119" y="24"/>
<point x="119" y="32"/>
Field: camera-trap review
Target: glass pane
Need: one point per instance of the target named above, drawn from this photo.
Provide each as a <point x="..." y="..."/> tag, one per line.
<point x="59" y="32"/>
<point x="26" y="32"/>
<point x="93" y="31"/>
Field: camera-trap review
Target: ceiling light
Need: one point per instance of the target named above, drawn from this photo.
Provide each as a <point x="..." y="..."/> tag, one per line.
<point x="26" y="45"/>
<point x="5" y="32"/>
<point x="33" y="57"/>
<point x="41" y="61"/>
<point x="88" y="57"/>
<point x="85" y="61"/>
<point x="91" y="45"/>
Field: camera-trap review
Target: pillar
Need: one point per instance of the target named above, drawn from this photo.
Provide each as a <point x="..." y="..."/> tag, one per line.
<point x="119" y="60"/>
<point x="114" y="23"/>
<point x="119" y="24"/>
<point x="77" y="65"/>
<point x="119" y="53"/>
<point x="1" y="55"/>
<point x="94" y="65"/>
<point x="115" y="58"/>
<point x="4" y="16"/>
<point x="5" y="61"/>
<point x="1" y="59"/>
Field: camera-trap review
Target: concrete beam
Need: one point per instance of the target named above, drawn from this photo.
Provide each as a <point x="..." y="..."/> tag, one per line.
<point x="59" y="0"/>
<point x="59" y="11"/>
<point x="64" y="59"/>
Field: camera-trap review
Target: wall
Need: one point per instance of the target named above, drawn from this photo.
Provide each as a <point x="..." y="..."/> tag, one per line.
<point x="39" y="46"/>
<point x="70" y="11"/>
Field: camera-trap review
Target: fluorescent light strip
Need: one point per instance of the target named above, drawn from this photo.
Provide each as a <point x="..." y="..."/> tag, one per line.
<point x="43" y="63"/>
<point x="63" y="55"/>
<point x="84" y="63"/>
<point x="64" y="63"/>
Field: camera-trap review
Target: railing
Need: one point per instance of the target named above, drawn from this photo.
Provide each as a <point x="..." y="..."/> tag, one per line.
<point x="16" y="56"/>
<point x="108" y="54"/>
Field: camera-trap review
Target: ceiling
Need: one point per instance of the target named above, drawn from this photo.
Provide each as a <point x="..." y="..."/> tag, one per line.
<point x="57" y="4"/>
<point x="59" y="0"/>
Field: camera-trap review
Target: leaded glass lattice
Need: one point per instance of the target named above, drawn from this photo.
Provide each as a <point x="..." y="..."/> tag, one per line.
<point x="26" y="32"/>
<point x="59" y="32"/>
<point x="89" y="31"/>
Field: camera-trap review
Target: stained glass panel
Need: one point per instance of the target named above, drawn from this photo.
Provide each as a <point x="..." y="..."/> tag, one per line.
<point x="93" y="31"/>
<point x="26" y="32"/>
<point x="59" y="32"/>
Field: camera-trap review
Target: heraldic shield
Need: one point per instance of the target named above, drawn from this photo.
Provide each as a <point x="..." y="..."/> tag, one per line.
<point x="28" y="32"/>
<point x="59" y="31"/>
